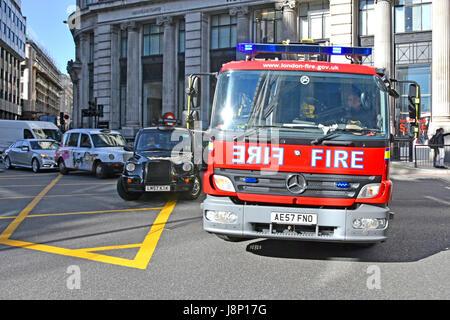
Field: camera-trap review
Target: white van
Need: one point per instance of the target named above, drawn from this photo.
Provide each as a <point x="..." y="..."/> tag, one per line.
<point x="13" y="130"/>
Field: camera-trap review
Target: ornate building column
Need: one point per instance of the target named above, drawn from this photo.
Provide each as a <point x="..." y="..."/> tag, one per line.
<point x="441" y="67"/>
<point x="242" y="28"/>
<point x="169" y="85"/>
<point x="74" y="70"/>
<point x="289" y="8"/>
<point x="133" y="78"/>
<point x="383" y="35"/>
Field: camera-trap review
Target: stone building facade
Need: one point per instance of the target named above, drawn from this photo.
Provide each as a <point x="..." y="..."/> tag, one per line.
<point x="12" y="53"/>
<point x="132" y="56"/>
<point x="41" y="84"/>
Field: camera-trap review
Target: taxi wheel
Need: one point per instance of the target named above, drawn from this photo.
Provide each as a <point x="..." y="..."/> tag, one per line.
<point x="62" y="167"/>
<point x="100" y="171"/>
<point x="195" y="191"/>
<point x="127" y="196"/>
<point x="8" y="164"/>
<point x="35" y="165"/>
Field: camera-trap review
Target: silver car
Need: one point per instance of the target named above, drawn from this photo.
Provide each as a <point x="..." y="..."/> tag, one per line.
<point x="37" y="154"/>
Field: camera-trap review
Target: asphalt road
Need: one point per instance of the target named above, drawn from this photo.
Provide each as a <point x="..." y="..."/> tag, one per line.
<point x="72" y="237"/>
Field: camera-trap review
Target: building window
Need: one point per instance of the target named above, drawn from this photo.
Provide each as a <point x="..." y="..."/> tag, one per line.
<point x="315" y="20"/>
<point x="223" y="31"/>
<point x="182" y="37"/>
<point x="268" y="26"/>
<point x="412" y="15"/>
<point x="420" y="74"/>
<point x="124" y="44"/>
<point x="91" y="48"/>
<point x="153" y="39"/>
<point x="366" y="17"/>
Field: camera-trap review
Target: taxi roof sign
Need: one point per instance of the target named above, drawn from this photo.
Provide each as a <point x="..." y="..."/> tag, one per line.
<point x="255" y="48"/>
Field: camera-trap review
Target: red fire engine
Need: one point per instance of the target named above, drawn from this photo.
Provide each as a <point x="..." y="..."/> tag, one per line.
<point x="300" y="150"/>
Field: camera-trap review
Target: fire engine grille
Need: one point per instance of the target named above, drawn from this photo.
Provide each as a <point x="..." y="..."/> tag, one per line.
<point x="158" y="172"/>
<point x="317" y="185"/>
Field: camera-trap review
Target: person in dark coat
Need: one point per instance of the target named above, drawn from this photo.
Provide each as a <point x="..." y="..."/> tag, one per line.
<point x="440" y="146"/>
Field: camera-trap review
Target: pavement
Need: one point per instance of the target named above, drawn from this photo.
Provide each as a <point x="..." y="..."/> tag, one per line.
<point x="408" y="168"/>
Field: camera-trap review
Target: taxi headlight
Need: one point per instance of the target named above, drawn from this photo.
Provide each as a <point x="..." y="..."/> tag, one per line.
<point x="188" y="166"/>
<point x="131" y="167"/>
<point x="111" y="157"/>
<point x="224" y="183"/>
<point x="44" y="156"/>
<point x="369" y="191"/>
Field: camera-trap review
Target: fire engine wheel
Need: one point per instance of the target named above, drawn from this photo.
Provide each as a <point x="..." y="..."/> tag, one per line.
<point x="195" y="191"/>
<point x="62" y="167"/>
<point x="127" y="196"/>
<point x="231" y="239"/>
<point x="363" y="245"/>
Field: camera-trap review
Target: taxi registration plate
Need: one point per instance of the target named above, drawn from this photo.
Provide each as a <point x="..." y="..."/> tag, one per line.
<point x="157" y="188"/>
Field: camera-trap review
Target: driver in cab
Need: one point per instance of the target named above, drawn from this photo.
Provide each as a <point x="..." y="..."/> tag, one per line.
<point x="355" y="113"/>
<point x="151" y="144"/>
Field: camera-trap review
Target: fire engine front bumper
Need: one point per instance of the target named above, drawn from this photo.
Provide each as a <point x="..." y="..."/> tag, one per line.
<point x="333" y="225"/>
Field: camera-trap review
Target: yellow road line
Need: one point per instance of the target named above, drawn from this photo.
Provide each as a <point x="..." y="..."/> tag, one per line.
<point x="80" y="213"/>
<point x="18" y="220"/>
<point x="127" y="246"/>
<point x="61" y="184"/>
<point x="141" y="260"/>
<point x="70" y="253"/>
<point x="144" y="255"/>
<point x="29" y="175"/>
<point x="60" y="196"/>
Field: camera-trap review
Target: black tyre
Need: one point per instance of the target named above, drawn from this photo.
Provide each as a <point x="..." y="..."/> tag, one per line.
<point x="363" y="245"/>
<point x="62" y="167"/>
<point x="231" y="239"/>
<point x="124" y="194"/>
<point x="100" y="170"/>
<point x="196" y="190"/>
<point x="7" y="164"/>
<point x="35" y="165"/>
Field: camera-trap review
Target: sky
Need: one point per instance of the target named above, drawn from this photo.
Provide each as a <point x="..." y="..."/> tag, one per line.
<point x="45" y="26"/>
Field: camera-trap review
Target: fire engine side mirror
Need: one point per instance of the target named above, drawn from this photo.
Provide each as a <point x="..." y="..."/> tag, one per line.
<point x="194" y="91"/>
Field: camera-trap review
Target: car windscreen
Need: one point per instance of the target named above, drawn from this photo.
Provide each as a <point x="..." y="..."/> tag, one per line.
<point x="44" y="145"/>
<point x="53" y="134"/>
<point x="108" y="140"/>
<point x="158" y="140"/>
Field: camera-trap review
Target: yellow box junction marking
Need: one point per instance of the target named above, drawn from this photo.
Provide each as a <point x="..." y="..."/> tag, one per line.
<point x="141" y="260"/>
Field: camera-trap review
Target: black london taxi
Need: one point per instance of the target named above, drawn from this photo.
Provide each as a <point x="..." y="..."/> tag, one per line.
<point x="163" y="161"/>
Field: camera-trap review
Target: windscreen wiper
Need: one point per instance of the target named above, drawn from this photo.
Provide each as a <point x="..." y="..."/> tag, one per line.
<point x="339" y="132"/>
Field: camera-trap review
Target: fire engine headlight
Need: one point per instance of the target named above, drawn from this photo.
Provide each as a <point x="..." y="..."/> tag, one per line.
<point x="131" y="167"/>
<point x="224" y="183"/>
<point x="369" y="191"/>
<point x="221" y="217"/>
<point x="369" y="224"/>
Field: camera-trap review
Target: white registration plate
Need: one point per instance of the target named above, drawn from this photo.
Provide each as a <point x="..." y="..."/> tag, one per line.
<point x="303" y="219"/>
<point x="157" y="188"/>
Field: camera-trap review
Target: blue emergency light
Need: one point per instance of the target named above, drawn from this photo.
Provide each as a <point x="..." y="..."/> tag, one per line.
<point x="255" y="48"/>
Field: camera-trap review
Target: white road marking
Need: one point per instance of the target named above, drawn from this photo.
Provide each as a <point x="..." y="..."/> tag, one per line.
<point x="438" y="200"/>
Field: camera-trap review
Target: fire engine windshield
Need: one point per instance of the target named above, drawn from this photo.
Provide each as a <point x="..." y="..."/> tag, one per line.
<point x="308" y="103"/>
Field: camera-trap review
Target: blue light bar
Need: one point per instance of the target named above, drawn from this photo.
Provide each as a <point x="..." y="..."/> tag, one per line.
<point x="255" y="48"/>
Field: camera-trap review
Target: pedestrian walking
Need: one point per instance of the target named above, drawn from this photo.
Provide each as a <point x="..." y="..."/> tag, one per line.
<point x="439" y="150"/>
